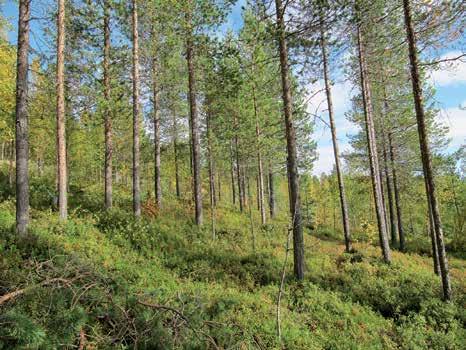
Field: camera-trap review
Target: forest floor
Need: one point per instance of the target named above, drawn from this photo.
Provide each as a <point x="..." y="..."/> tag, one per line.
<point x="103" y="280"/>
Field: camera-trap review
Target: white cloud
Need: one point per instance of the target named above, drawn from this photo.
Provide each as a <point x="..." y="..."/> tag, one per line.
<point x="342" y="93"/>
<point x="455" y="119"/>
<point x="326" y="160"/>
<point x="450" y="73"/>
<point x="341" y="97"/>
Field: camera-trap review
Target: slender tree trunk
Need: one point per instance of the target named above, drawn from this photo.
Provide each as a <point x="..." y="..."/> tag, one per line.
<point x="22" y="136"/>
<point x="260" y="178"/>
<point x="271" y="192"/>
<point x="197" y="190"/>
<point x="401" y="233"/>
<point x="251" y="221"/>
<point x="107" y="118"/>
<point x="341" y="186"/>
<point x="61" y="129"/>
<point x="257" y="194"/>
<point x="372" y="150"/>
<point x="211" y="172"/>
<point x="136" y="115"/>
<point x="243" y="185"/>
<point x="232" y="176"/>
<point x="10" y="163"/>
<point x="425" y="151"/>
<point x="433" y="240"/>
<point x="219" y="186"/>
<point x="384" y="202"/>
<point x="175" y="156"/>
<point x="391" y="209"/>
<point x="292" y="163"/>
<point x="157" y="169"/>
<point x="238" y="176"/>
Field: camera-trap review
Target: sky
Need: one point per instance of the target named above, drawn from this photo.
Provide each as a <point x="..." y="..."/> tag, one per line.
<point x="449" y="82"/>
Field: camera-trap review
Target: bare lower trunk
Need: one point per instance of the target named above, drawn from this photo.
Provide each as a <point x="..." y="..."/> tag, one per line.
<point x="336" y="153"/>
<point x="401" y="233"/>
<point x="197" y="191"/>
<point x="271" y="192"/>
<point x="175" y="156"/>
<point x="243" y="185"/>
<point x="10" y="163"/>
<point x="238" y="176"/>
<point x="232" y="175"/>
<point x="251" y="221"/>
<point x="391" y="209"/>
<point x="292" y="162"/>
<point x="372" y="150"/>
<point x="22" y="136"/>
<point x="433" y="241"/>
<point x="107" y="118"/>
<point x="157" y="169"/>
<point x="425" y="151"/>
<point x="219" y="186"/>
<point x="260" y="176"/>
<point x="61" y="133"/>
<point x="136" y="115"/>
<point x="211" y="173"/>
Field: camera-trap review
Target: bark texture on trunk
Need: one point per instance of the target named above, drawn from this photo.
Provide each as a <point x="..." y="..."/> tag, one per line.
<point x="11" y="160"/>
<point x="211" y="173"/>
<point x="271" y="192"/>
<point x="260" y="170"/>
<point x="396" y="191"/>
<point x="136" y="115"/>
<point x="61" y="127"/>
<point x="232" y="175"/>
<point x="22" y="136"/>
<point x="341" y="186"/>
<point x="156" y="121"/>
<point x="195" y="137"/>
<point x="292" y="161"/>
<point x="372" y="150"/>
<point x="108" y="200"/>
<point x="433" y="239"/>
<point x="175" y="156"/>
<point x="425" y="151"/>
<point x="391" y="209"/>
<point x="241" y="195"/>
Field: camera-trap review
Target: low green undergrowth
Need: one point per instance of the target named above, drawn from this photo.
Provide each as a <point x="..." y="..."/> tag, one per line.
<point x="109" y="281"/>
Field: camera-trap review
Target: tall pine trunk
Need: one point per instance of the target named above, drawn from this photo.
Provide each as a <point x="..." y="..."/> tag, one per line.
<point x="61" y="127"/>
<point x="22" y="137"/>
<point x="391" y="208"/>
<point x="107" y="117"/>
<point x="425" y="151"/>
<point x="372" y="150"/>
<point x="211" y="172"/>
<point x="155" y="97"/>
<point x="260" y="169"/>
<point x="241" y="195"/>
<point x="271" y="192"/>
<point x="292" y="161"/>
<point x="232" y="175"/>
<point x="341" y="186"/>
<point x="433" y="239"/>
<point x="175" y="156"/>
<point x="136" y="115"/>
<point x="195" y="137"/>
<point x="396" y="191"/>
